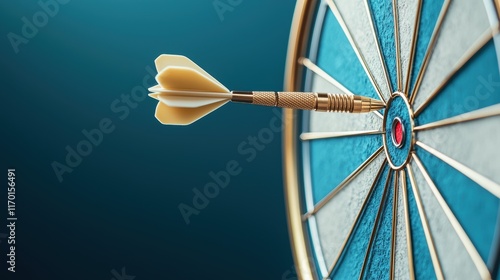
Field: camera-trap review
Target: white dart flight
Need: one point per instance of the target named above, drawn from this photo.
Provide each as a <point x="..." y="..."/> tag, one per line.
<point x="185" y="91"/>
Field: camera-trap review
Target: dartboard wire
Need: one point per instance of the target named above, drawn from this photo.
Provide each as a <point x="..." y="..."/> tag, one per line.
<point x="356" y="220"/>
<point x="394" y="224"/>
<point x="307" y="136"/>
<point x="342" y="184"/>
<point x="494" y="257"/>
<point x="397" y="43"/>
<point x="425" y="225"/>
<point x="327" y="77"/>
<point x="469" y="246"/>
<point x="377" y="43"/>
<point x="322" y="73"/>
<point x="490" y="111"/>
<point x="411" y="268"/>
<point x="354" y="45"/>
<point x="413" y="47"/>
<point x="477" y="46"/>
<point x="430" y="50"/>
<point x="309" y="202"/>
<point x="311" y="66"/>
<point x="481" y="180"/>
<point x="316" y="245"/>
<point x="376" y="224"/>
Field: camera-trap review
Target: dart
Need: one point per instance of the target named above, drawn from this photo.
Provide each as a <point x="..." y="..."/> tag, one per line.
<point x="187" y="93"/>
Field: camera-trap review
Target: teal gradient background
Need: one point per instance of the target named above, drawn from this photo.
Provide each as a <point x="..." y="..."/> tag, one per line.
<point x="119" y="207"/>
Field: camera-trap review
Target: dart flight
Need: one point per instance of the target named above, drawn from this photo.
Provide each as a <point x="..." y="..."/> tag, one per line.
<point x="187" y="93"/>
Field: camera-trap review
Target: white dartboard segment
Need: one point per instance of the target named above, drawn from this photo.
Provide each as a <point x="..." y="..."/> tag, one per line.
<point x="401" y="270"/>
<point x="455" y="261"/>
<point x="460" y="30"/>
<point x="407" y="11"/>
<point x="336" y="218"/>
<point x="481" y="137"/>
<point x="359" y="27"/>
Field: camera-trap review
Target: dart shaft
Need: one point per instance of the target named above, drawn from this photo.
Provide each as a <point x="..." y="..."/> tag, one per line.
<point x="323" y="102"/>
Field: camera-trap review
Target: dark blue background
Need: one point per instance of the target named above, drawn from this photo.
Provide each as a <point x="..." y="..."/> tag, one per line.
<point x="119" y="207"/>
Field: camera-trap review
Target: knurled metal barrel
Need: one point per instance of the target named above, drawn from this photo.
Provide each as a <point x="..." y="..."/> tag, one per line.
<point x="324" y="102"/>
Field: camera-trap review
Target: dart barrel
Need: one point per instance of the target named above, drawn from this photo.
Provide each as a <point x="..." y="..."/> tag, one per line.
<point x="323" y="102"/>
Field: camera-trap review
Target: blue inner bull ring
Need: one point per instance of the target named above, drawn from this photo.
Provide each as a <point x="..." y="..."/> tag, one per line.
<point x="397" y="107"/>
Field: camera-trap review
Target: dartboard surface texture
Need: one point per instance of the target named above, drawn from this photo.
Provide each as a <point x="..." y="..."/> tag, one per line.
<point x="411" y="191"/>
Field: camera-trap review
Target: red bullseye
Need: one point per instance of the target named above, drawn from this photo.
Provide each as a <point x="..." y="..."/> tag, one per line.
<point x="398" y="132"/>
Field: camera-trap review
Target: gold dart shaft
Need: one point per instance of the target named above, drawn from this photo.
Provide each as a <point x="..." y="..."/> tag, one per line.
<point x="323" y="102"/>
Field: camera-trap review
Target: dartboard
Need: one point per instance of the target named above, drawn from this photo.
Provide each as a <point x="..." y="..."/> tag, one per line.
<point x="412" y="190"/>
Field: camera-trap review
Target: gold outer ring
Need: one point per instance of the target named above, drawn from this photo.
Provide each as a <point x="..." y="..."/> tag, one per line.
<point x="297" y="46"/>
